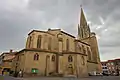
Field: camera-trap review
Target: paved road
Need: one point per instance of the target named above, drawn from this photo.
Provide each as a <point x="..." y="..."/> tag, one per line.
<point x="58" y="78"/>
<point x="90" y="78"/>
<point x="8" y="78"/>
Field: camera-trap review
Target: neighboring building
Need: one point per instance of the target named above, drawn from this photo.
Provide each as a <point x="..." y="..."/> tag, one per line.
<point x="111" y="66"/>
<point x="6" y="60"/>
<point x="55" y="51"/>
<point x="117" y="63"/>
<point x="105" y="67"/>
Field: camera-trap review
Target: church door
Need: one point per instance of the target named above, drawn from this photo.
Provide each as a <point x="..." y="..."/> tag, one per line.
<point x="47" y="65"/>
<point x="70" y="69"/>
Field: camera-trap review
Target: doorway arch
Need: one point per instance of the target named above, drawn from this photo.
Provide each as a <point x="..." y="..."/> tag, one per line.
<point x="70" y="69"/>
<point x="47" y="65"/>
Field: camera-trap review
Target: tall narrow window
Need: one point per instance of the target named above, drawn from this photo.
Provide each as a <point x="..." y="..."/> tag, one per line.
<point x="70" y="59"/>
<point x="36" y="57"/>
<point x="49" y="43"/>
<point x="39" y="41"/>
<point x="60" y="45"/>
<point x="30" y="39"/>
<point x="67" y="44"/>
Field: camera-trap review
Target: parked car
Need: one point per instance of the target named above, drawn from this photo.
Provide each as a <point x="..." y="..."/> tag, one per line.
<point x="106" y="74"/>
<point x="93" y="73"/>
<point x="99" y="74"/>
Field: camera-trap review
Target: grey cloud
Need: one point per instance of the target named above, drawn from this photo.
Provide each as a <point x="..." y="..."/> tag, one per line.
<point x="110" y="53"/>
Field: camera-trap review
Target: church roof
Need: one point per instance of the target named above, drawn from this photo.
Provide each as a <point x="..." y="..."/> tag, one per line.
<point x="39" y="31"/>
<point x="61" y="32"/>
<point x="68" y="34"/>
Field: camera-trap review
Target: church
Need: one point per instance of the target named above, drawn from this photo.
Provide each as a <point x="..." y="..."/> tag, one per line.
<point x="54" y="52"/>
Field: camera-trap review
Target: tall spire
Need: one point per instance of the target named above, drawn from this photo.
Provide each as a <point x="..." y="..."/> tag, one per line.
<point x="82" y="18"/>
<point x="83" y="28"/>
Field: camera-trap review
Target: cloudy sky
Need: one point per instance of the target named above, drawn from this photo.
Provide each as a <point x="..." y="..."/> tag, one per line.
<point x="19" y="17"/>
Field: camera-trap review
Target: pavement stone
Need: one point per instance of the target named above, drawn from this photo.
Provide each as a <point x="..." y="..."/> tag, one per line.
<point x="88" y="78"/>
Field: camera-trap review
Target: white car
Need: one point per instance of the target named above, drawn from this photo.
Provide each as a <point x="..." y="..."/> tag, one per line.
<point x="94" y="73"/>
<point x="99" y="74"/>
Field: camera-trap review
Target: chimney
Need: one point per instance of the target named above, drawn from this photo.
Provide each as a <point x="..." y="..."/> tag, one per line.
<point x="11" y="50"/>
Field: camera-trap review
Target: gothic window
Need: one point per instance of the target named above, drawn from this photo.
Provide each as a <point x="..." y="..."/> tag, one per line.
<point x="39" y="41"/>
<point x="83" y="60"/>
<point x="49" y="43"/>
<point x="89" y="53"/>
<point x="36" y="57"/>
<point x="59" y="36"/>
<point x="53" y="58"/>
<point x="67" y="44"/>
<point x="83" y="47"/>
<point x="70" y="59"/>
<point x="60" y="44"/>
<point x="30" y="39"/>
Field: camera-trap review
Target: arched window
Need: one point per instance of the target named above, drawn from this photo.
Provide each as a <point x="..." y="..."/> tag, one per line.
<point x="36" y="56"/>
<point x="59" y="35"/>
<point x="49" y="43"/>
<point x="70" y="59"/>
<point x="39" y="41"/>
<point x="67" y="44"/>
<point x="83" y="60"/>
<point x="53" y="58"/>
<point x="30" y="39"/>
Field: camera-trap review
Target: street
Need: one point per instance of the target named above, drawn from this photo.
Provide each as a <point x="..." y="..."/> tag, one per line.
<point x="8" y="78"/>
<point x="62" y="78"/>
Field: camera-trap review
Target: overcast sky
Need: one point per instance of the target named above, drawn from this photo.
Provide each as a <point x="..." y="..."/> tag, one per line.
<point x="19" y="17"/>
